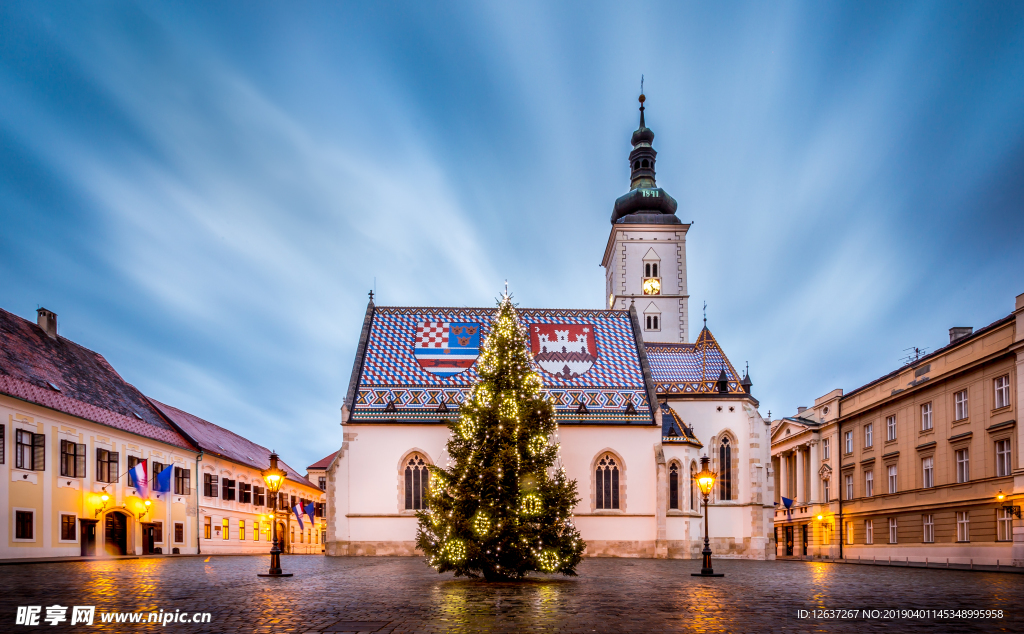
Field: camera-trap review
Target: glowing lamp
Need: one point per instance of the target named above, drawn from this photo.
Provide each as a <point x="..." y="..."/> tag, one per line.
<point x="821" y="517"/>
<point x="706" y="481"/>
<point x="274" y="477"/>
<point x="1000" y="496"/>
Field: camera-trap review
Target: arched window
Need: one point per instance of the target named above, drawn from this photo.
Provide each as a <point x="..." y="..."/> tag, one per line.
<point x="673" y="486"/>
<point x="644" y="163"/>
<point x="607" y="482"/>
<point x="636" y="164"/>
<point x="416" y="480"/>
<point x="694" y="498"/>
<point x="725" y="470"/>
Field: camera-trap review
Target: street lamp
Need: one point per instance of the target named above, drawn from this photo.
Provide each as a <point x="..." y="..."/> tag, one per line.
<point x="274" y="477"/>
<point x="705" y="482"/>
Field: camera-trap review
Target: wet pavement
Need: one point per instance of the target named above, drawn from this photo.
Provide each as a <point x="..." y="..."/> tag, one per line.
<point x="396" y="595"/>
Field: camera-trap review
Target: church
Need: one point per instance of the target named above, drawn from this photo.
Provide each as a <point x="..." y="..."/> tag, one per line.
<point x="636" y="403"/>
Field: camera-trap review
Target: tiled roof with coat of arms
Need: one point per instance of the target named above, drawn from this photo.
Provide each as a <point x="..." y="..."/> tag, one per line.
<point x="415" y="365"/>
<point x="692" y="368"/>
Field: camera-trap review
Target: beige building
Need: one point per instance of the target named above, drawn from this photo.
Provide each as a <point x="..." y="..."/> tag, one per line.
<point x="921" y="464"/>
<point x="71" y="429"/>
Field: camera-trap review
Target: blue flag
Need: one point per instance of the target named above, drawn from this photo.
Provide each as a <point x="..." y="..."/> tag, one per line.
<point x="163" y="479"/>
<point x="297" y="509"/>
<point x="788" y="503"/>
<point x="311" y="510"/>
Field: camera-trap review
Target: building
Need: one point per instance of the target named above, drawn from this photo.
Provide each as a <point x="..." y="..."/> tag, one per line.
<point x="636" y="405"/>
<point x="317" y="474"/>
<point x="923" y="463"/>
<point x="74" y="428"/>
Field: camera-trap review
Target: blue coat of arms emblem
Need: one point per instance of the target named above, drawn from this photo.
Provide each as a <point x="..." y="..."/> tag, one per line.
<point x="447" y="348"/>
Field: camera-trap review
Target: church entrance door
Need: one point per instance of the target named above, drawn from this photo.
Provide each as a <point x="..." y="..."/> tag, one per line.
<point x="789" y="541"/>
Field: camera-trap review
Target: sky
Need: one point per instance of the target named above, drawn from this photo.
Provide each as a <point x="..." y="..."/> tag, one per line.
<point x="205" y="192"/>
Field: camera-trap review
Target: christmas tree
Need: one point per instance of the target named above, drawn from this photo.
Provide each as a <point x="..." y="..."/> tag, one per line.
<point x="502" y="508"/>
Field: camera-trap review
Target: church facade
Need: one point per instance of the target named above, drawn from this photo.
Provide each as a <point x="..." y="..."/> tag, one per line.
<point x="636" y="403"/>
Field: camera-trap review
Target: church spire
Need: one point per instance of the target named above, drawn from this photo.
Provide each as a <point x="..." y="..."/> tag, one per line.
<point x="642" y="158"/>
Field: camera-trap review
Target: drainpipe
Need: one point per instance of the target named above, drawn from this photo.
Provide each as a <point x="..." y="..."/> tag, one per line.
<point x="199" y="537"/>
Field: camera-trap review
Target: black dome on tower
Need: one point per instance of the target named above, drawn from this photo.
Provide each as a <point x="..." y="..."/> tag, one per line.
<point x="646" y="203"/>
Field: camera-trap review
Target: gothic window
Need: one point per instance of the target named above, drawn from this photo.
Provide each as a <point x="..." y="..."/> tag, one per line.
<point x="606" y="481"/>
<point x="416" y="479"/>
<point x="725" y="470"/>
<point x="673" y="486"/>
<point x="650" y="269"/>
<point x="693" y="486"/>
<point x="653" y="322"/>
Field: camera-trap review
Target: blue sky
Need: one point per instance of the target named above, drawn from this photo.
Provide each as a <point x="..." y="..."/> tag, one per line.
<point x="205" y="192"/>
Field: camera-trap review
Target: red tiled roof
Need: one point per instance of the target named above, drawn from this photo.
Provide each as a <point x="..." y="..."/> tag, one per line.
<point x="323" y="463"/>
<point x="30" y="361"/>
<point x="218" y="441"/>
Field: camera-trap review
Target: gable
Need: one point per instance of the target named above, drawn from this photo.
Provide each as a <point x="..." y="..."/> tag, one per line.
<point x="418" y="364"/>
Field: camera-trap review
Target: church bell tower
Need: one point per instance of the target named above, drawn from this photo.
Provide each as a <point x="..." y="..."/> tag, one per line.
<point x="645" y="258"/>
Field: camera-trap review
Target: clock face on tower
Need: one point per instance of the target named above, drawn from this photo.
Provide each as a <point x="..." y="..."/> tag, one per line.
<point x="652" y="286"/>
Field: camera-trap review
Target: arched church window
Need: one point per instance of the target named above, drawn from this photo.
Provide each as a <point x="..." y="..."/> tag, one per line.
<point x="416" y="480"/>
<point x="653" y="322"/>
<point x="606" y="481"/>
<point x="673" y="486"/>
<point x="725" y="470"/>
<point x="694" y="498"/>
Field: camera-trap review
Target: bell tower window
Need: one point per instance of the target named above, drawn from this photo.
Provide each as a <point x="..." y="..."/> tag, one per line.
<point x="652" y="318"/>
<point x="652" y="275"/>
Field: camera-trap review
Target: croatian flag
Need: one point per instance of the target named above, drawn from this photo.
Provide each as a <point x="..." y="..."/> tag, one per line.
<point x="297" y="509"/>
<point x="139" y="479"/>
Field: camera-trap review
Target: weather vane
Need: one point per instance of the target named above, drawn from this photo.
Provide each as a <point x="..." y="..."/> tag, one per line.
<point x="705" y="314"/>
<point x="641" y="84"/>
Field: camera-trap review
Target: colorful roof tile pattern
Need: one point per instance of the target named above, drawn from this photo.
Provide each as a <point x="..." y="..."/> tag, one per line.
<point x="691" y="368"/>
<point x="66" y="377"/>
<point x="607" y="386"/>
<point x="674" y="429"/>
<point x="216" y="440"/>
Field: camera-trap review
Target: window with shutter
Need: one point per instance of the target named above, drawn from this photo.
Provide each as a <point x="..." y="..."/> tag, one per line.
<point x="157" y="468"/>
<point x="80" y="460"/>
<point x="67" y="459"/>
<point x="158" y="532"/>
<point x="210" y="485"/>
<point x="179" y="532"/>
<point x="102" y="465"/>
<point x="23" y="449"/>
<point x="39" y="452"/>
<point x="3" y="447"/>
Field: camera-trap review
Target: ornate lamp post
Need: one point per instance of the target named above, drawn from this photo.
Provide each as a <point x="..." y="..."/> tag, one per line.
<point x="705" y="482"/>
<point x="274" y="477"/>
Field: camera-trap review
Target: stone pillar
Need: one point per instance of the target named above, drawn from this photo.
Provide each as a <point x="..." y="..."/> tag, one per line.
<point x="784" y="475"/>
<point x="660" y="544"/>
<point x="801" y="495"/>
<point x="814" y="466"/>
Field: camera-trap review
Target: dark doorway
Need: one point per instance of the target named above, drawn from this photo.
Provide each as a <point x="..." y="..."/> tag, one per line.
<point x="789" y="541"/>
<point x="282" y="537"/>
<point x="87" y="530"/>
<point x="148" y="538"/>
<point x="804" y="528"/>
<point x="117" y="534"/>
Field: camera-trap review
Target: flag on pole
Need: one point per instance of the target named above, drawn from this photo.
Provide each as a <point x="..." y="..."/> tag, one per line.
<point x="311" y="511"/>
<point x="163" y="479"/>
<point x="297" y="509"/>
<point x="138" y="478"/>
<point x="788" y="503"/>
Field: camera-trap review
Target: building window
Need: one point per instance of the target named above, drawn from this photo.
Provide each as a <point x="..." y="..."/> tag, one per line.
<point x="228" y="489"/>
<point x="29" y="450"/>
<point x="179" y="533"/>
<point x="1004" y="525"/>
<point x="849" y="442"/>
<point x="226" y="529"/>
<point x="725" y="470"/>
<point x="960" y="400"/>
<point x="1002" y="387"/>
<point x="158" y="532"/>
<point x="926" y="417"/>
<point x="825" y="489"/>
<point x="3" y="440"/>
<point x="72" y="459"/>
<point x="869" y="435"/>
<point x="892" y="478"/>
<point x="256" y="531"/>
<point x="869" y="532"/>
<point x="245" y="492"/>
<point x="673" y="486"/>
<point x="68" y="528"/>
<point x="824" y="449"/>
<point x="929" y="528"/>
<point x="322" y="480"/>
<point x="693" y="486"/>
<point x="650" y="269"/>
<point x="23" y="525"/>
<point x="653" y="322"/>
<point x="182" y="481"/>
<point x="107" y="465"/>
<point x="963" y="526"/>
<point x="892" y="530"/>
<point x="607" y="482"/>
<point x="241" y="530"/>
<point x="963" y="466"/>
<point x="890" y="427"/>
<point x="849" y="487"/>
<point x="417" y="477"/>
<point x="927" y="471"/>
<point x="210" y="485"/>
<point x="849" y="532"/>
<point x="259" y="495"/>
<point x="1002" y="458"/>
<point x="208" y="528"/>
<point x="869" y="484"/>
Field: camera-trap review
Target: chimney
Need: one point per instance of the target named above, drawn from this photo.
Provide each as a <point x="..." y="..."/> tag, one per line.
<point x="959" y="332"/>
<point x="47" y="320"/>
<point x="800" y="410"/>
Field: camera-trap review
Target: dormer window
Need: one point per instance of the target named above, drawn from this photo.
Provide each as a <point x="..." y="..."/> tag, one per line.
<point x="652" y="318"/>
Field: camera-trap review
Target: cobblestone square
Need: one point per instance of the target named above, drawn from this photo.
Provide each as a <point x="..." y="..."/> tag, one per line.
<point x="398" y="595"/>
